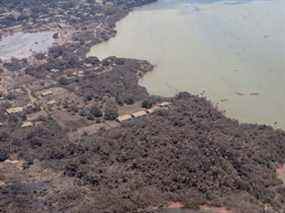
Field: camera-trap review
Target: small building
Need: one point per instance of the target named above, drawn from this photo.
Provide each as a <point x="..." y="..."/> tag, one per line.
<point x="27" y="124"/>
<point x="164" y="104"/>
<point x="51" y="102"/>
<point x="17" y="27"/>
<point x="139" y="114"/>
<point x="125" y="117"/>
<point x="19" y="91"/>
<point x="80" y="73"/>
<point x="46" y="93"/>
<point x="55" y="70"/>
<point x="153" y="109"/>
<point x="88" y="65"/>
<point x="14" y="110"/>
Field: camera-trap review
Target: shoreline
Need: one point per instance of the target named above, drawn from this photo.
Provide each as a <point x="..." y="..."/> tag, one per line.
<point x="79" y="133"/>
<point x="245" y="94"/>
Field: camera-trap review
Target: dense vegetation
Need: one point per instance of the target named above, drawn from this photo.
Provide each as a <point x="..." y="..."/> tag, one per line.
<point x="190" y="153"/>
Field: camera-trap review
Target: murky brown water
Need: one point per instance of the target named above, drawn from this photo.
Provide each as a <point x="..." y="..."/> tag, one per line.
<point x="232" y="50"/>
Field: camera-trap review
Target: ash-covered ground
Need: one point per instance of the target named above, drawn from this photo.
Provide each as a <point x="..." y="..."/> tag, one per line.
<point x="189" y="153"/>
<point x="79" y="134"/>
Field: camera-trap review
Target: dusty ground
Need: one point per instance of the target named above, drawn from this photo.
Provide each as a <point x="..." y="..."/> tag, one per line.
<point x="189" y="156"/>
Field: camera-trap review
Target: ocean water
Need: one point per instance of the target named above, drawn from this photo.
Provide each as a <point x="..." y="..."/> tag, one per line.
<point x="233" y="52"/>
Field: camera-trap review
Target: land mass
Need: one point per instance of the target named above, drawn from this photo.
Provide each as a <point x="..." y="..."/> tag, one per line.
<point x="79" y="134"/>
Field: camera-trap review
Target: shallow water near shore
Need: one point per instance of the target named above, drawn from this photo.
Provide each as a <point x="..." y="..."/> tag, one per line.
<point x="233" y="51"/>
<point x="22" y="45"/>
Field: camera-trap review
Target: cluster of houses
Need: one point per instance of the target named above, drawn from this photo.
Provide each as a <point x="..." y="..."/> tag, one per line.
<point x="15" y="110"/>
<point x="141" y="113"/>
<point x="92" y="129"/>
<point x="120" y="119"/>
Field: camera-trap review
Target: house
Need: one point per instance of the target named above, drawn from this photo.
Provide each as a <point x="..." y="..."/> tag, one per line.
<point x="46" y="93"/>
<point x="27" y="124"/>
<point x="153" y="109"/>
<point x="80" y="73"/>
<point x="51" y="102"/>
<point x="88" y="65"/>
<point x="17" y="27"/>
<point x="125" y="117"/>
<point x="139" y="114"/>
<point x="164" y="104"/>
<point x="14" y="110"/>
<point x="55" y="70"/>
